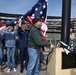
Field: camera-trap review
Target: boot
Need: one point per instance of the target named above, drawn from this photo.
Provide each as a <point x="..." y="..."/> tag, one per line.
<point x="1" y="69"/>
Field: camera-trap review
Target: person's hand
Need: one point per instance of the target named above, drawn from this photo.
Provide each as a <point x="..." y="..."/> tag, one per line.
<point x="52" y="46"/>
<point x="17" y="37"/>
<point x="19" y="22"/>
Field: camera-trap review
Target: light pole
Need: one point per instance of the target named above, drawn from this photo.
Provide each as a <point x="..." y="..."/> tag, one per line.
<point x="66" y="13"/>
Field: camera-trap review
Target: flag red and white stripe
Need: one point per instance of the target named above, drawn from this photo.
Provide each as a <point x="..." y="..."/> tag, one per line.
<point x="38" y="10"/>
<point x="2" y="26"/>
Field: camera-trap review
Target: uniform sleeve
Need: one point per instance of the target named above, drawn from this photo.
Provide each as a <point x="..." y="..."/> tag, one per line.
<point x="39" y="41"/>
<point x="19" y="31"/>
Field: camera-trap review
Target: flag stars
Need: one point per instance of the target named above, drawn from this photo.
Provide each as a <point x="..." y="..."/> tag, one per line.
<point x="33" y="15"/>
<point x="44" y="6"/>
<point x="46" y="0"/>
<point x="36" y="9"/>
<point x="41" y="12"/>
<point x="15" y="22"/>
<point x="42" y="17"/>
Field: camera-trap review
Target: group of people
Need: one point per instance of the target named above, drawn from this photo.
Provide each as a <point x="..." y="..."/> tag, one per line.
<point x="29" y="43"/>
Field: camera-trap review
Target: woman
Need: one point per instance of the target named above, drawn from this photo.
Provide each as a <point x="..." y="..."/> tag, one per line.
<point x="10" y="41"/>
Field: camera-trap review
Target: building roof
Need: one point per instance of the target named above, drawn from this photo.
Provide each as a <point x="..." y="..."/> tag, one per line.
<point x="17" y="15"/>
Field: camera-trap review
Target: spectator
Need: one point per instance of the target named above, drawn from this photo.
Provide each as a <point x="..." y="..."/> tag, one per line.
<point x="10" y="41"/>
<point x="23" y="44"/>
<point x="35" y="42"/>
<point x="72" y="37"/>
<point x="1" y="54"/>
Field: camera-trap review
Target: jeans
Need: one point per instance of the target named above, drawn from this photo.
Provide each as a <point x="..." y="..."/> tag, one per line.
<point x="1" y="56"/>
<point x="11" y="53"/>
<point x="23" y="56"/>
<point x="71" y="43"/>
<point x="34" y="61"/>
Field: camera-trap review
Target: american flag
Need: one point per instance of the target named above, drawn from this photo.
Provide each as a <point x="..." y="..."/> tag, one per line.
<point x="38" y="10"/>
<point x="2" y="26"/>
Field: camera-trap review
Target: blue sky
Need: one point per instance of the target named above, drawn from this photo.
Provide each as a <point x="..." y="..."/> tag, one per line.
<point x="22" y="6"/>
